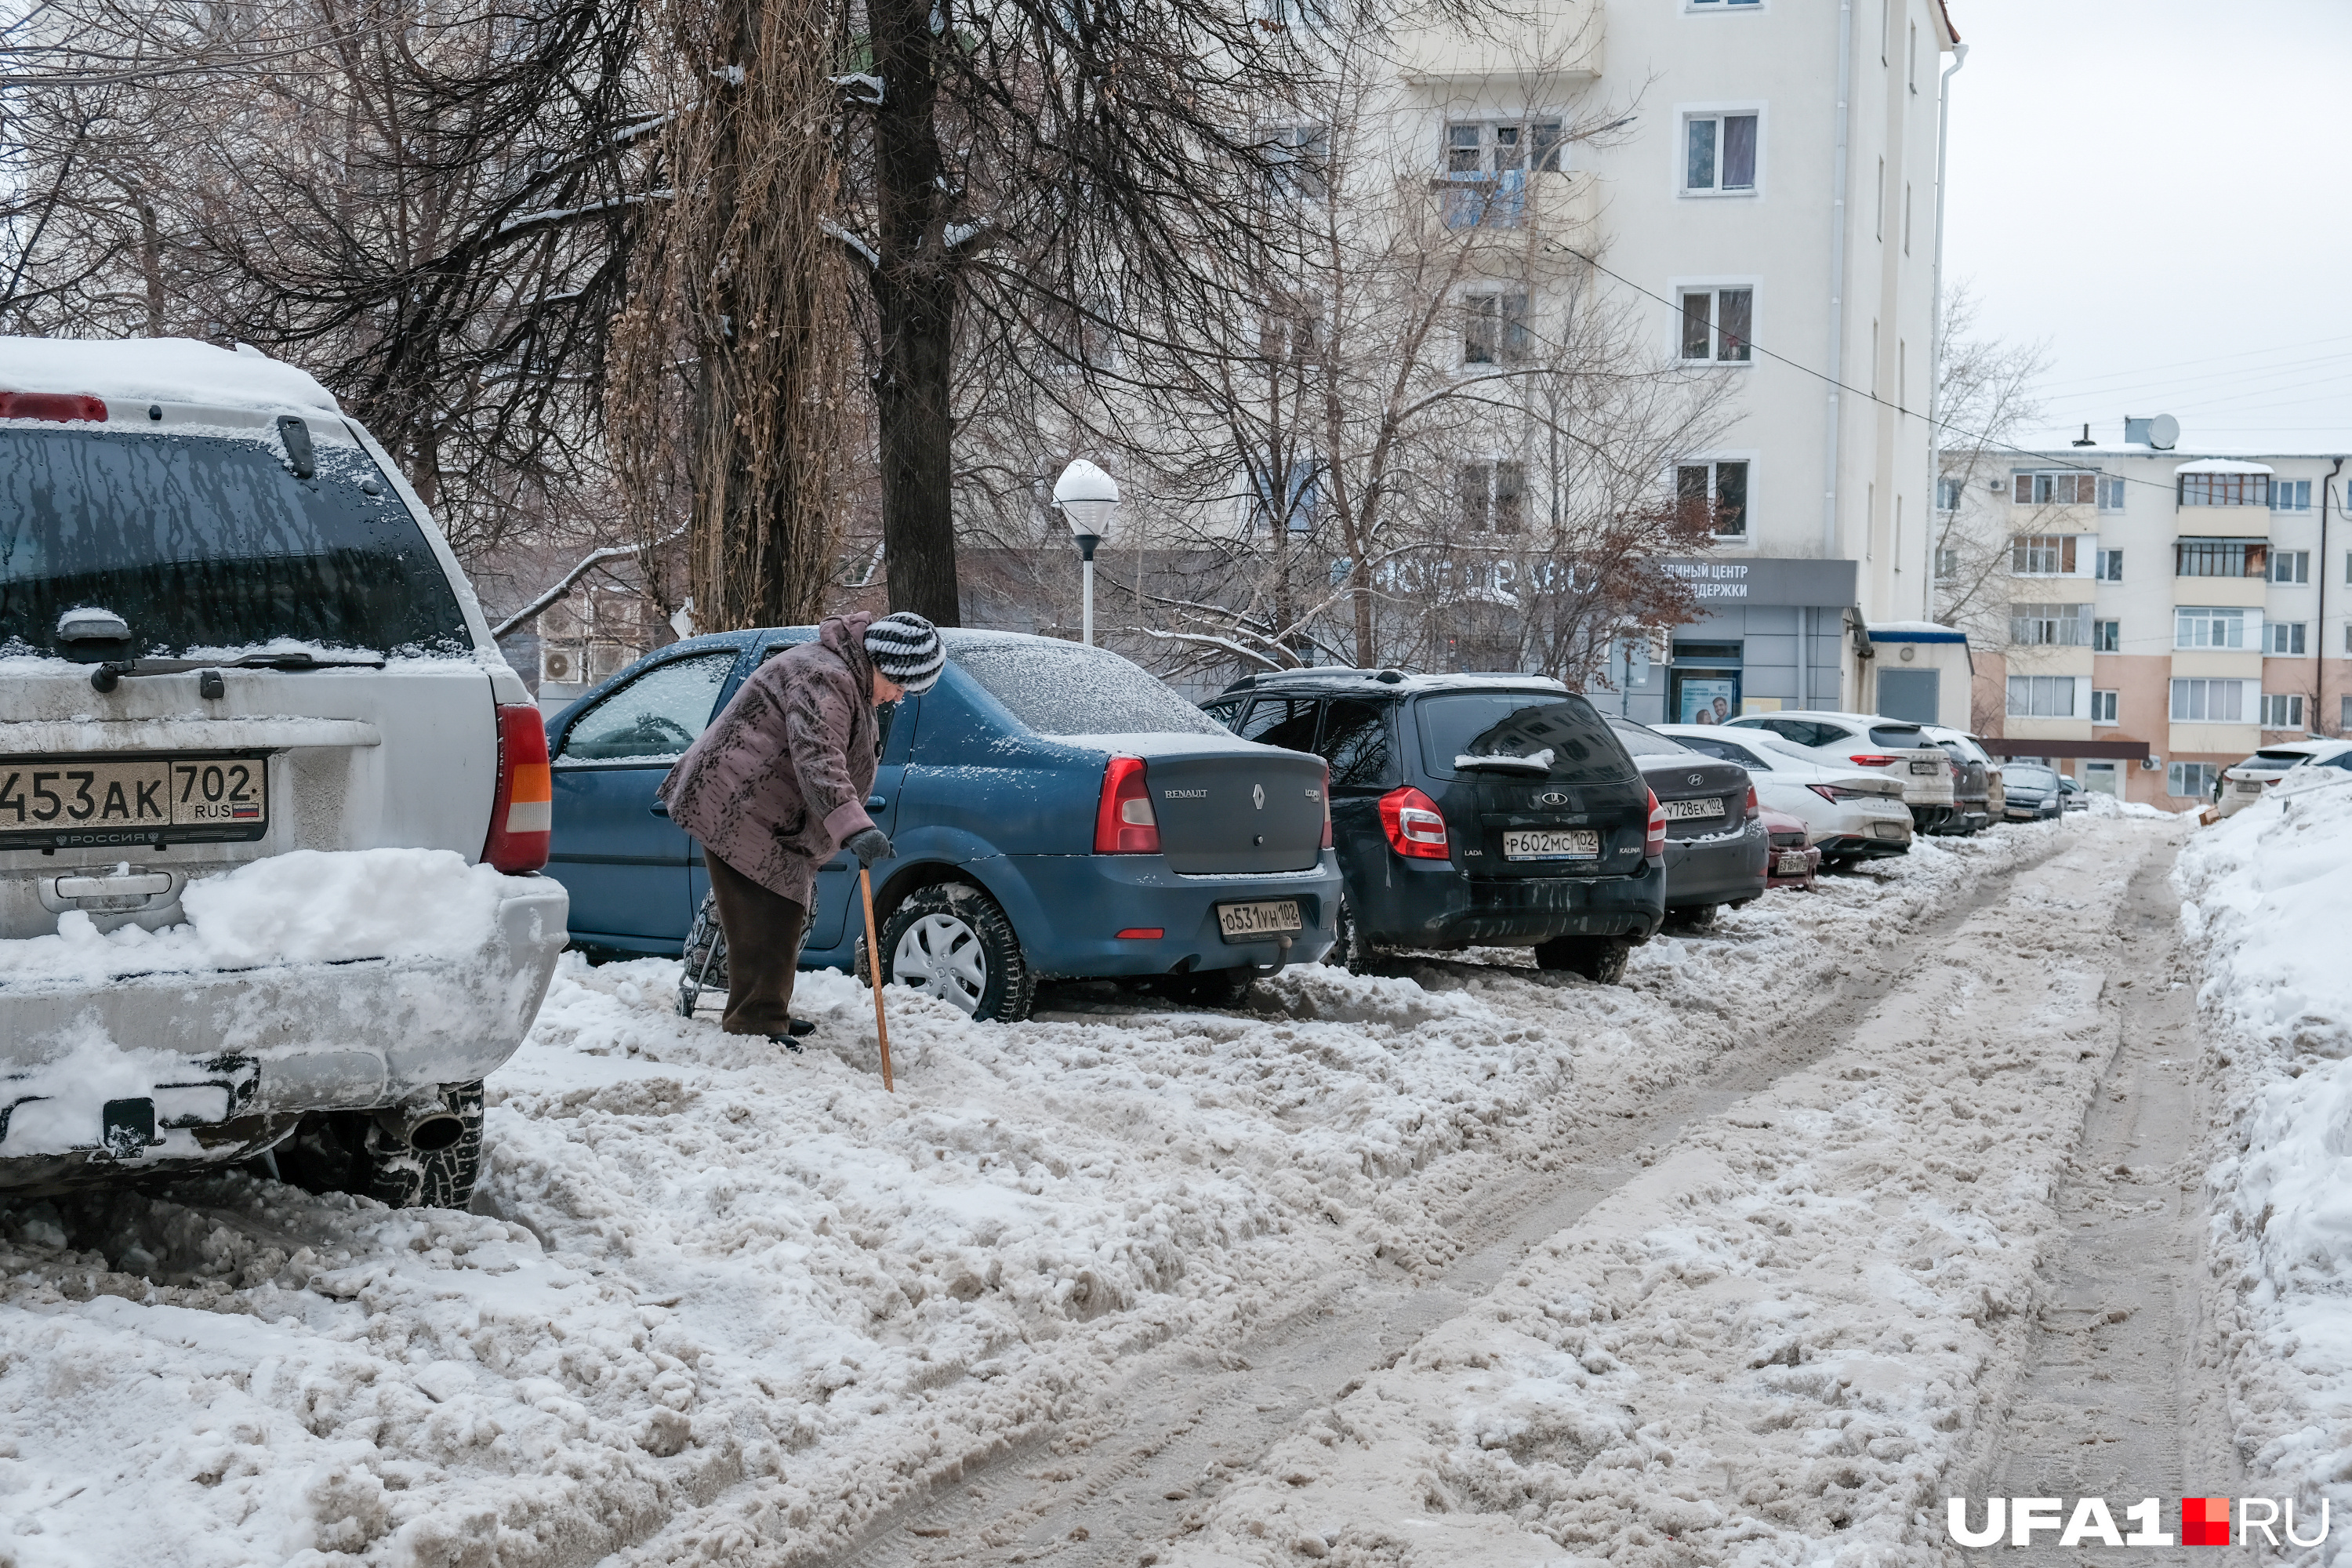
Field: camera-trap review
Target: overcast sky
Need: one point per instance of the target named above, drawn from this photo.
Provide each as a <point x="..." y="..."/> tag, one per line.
<point x="2154" y="191"/>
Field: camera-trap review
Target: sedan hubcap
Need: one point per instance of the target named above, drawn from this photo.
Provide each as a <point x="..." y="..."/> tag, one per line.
<point x="941" y="956"/>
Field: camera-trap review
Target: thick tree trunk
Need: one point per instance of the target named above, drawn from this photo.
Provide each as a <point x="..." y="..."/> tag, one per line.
<point x="914" y="297"/>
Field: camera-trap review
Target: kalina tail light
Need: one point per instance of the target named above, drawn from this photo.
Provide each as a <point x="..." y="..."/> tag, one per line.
<point x="1326" y="806"/>
<point x="59" y="408"/>
<point x="1124" y="823"/>
<point x="1653" y="843"/>
<point x="1416" y="828"/>
<point x="522" y="815"/>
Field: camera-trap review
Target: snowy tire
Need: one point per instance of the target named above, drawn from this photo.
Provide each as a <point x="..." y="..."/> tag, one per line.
<point x="1692" y="917"/>
<point x="352" y="1151"/>
<point x="1600" y="959"/>
<point x="953" y="941"/>
<point x="1349" y="951"/>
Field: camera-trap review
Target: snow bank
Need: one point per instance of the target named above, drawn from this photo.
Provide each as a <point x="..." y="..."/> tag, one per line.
<point x="721" y="1302"/>
<point x="307" y="906"/>
<point x="2269" y="891"/>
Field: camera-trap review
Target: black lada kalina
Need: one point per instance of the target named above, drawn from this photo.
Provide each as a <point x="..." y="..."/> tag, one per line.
<point x="1472" y="810"/>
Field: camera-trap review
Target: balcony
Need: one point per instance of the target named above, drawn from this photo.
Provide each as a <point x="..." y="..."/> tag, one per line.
<point x="1515" y="205"/>
<point x="2219" y="496"/>
<point x="1537" y="48"/>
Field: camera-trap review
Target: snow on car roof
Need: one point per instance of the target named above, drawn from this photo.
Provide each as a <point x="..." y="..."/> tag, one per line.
<point x="162" y="370"/>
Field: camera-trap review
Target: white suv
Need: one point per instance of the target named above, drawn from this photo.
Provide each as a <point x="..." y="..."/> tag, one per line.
<point x="2243" y="783"/>
<point x="243" y="680"/>
<point x="1893" y="748"/>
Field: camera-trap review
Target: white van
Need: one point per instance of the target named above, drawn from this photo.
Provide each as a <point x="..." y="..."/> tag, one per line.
<point x="231" y="637"/>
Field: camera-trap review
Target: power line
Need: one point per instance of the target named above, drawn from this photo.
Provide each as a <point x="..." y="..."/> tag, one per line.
<point x="2045" y="459"/>
<point x="2209" y="359"/>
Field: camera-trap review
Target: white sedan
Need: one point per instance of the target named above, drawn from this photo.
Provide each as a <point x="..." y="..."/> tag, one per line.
<point x="2243" y="784"/>
<point x="1849" y="814"/>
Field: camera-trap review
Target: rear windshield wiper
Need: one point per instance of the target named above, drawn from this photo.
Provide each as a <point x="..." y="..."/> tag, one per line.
<point x="1539" y="764"/>
<point x="108" y="676"/>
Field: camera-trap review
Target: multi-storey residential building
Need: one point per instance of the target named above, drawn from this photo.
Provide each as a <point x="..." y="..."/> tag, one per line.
<point x="1769" y="204"/>
<point x="2169" y="609"/>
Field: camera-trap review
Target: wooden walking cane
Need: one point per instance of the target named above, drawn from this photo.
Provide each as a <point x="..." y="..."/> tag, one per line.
<point x="874" y="973"/>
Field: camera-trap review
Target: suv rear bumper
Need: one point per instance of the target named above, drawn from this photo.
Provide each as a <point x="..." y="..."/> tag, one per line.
<point x="224" y="1063"/>
<point x="1429" y="903"/>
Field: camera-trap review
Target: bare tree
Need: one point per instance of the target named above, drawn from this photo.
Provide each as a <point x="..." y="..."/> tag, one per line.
<point x="1985" y="398"/>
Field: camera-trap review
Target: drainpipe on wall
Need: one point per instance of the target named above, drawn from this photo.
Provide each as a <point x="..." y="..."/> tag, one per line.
<point x="2319" y="628"/>
<point x="1935" y="336"/>
<point x="1837" y="279"/>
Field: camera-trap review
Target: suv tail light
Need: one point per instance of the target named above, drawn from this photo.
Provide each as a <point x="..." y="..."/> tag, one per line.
<point x="1873" y="760"/>
<point x="1653" y="843"/>
<point x="1326" y="806"/>
<point x="1416" y="828"/>
<point x="61" y="407"/>
<point x="1124" y="823"/>
<point x="522" y="814"/>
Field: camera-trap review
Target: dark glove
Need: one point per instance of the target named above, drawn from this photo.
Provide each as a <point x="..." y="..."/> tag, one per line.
<point x="870" y="844"/>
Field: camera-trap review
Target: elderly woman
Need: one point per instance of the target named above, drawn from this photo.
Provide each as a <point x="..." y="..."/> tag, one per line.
<point x="778" y="784"/>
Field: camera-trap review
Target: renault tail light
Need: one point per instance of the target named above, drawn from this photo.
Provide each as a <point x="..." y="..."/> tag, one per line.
<point x="1416" y="828"/>
<point x="1124" y="823"/>
<point x="522" y="815"/>
<point x="1653" y="843"/>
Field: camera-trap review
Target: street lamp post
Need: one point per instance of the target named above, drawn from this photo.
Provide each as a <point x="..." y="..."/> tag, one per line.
<point x="1086" y="496"/>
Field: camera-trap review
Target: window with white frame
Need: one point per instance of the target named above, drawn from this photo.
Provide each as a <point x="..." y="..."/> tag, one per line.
<point x="2282" y="710"/>
<point x="1487" y="167"/>
<point x="2041" y="697"/>
<point x="2058" y="487"/>
<point x="2103" y="706"/>
<point x="2111" y="493"/>
<point x="2285" y="638"/>
<point x="1495" y="328"/>
<point x="2199" y="701"/>
<point x="1716" y="323"/>
<point x="2110" y="566"/>
<point x="2041" y="556"/>
<point x="2290" y="495"/>
<point x="1719" y="152"/>
<point x="2196" y="626"/>
<point x="1491" y="496"/>
<point x="2191" y="780"/>
<point x="2106" y="636"/>
<point x="2290" y="565"/>
<point x="1948" y="494"/>
<point x="1717" y="491"/>
<point x="2050" y="625"/>
<point x="1947" y="564"/>
<point x="1298" y="159"/>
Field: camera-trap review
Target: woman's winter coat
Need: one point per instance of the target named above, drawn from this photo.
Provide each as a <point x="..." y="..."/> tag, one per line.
<point x="780" y="779"/>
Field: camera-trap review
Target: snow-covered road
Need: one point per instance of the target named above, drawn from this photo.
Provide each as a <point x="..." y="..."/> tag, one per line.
<point x="722" y="1304"/>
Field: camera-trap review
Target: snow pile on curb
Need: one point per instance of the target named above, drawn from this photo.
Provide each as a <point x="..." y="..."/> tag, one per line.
<point x="721" y="1302"/>
<point x="308" y="906"/>
<point x="2270" y="895"/>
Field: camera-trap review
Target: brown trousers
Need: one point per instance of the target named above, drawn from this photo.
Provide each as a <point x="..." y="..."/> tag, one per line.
<point x="763" y="950"/>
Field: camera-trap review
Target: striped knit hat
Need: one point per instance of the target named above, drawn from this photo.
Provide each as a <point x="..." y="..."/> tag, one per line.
<point x="906" y="649"/>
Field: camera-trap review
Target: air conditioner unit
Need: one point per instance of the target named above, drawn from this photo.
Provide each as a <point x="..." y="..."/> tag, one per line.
<point x="558" y="666"/>
<point x="559" y="621"/>
<point x="606" y="660"/>
<point x="2151" y="762"/>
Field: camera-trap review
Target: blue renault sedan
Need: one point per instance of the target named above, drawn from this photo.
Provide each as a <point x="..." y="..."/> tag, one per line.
<point x="1057" y="813"/>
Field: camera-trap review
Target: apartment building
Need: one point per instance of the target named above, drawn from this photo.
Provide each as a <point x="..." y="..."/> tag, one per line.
<point x="2169" y="608"/>
<point x="1768" y="203"/>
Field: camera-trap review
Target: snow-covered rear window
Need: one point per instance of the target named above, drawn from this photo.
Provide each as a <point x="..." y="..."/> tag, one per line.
<point x="1519" y="724"/>
<point x="211" y="541"/>
<point x="1068" y="688"/>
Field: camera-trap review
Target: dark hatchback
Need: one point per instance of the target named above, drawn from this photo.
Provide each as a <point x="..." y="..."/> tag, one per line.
<point x="1470" y="811"/>
<point x="1057" y="811"/>
<point x="1716" y="847"/>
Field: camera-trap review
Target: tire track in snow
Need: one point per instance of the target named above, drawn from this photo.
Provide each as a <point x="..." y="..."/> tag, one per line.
<point x="1133" y="1468"/>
